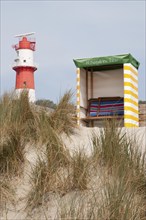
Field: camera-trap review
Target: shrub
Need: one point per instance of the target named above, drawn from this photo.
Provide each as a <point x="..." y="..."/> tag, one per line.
<point x="46" y="103"/>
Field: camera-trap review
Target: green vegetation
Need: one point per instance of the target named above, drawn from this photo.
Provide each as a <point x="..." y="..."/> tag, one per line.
<point x="118" y="189"/>
<point x="62" y="117"/>
<point x="142" y="102"/>
<point x="15" y="116"/>
<point x="80" y="171"/>
<point x="108" y="184"/>
<point x="46" y="103"/>
<point x="21" y="124"/>
<point x="125" y="183"/>
<point x="14" y="134"/>
<point x="7" y="193"/>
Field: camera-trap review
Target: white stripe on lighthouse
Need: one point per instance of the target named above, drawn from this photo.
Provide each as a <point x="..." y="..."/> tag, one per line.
<point x="31" y="94"/>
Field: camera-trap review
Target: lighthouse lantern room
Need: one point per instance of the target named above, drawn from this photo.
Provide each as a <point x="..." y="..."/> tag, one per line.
<point x="24" y="66"/>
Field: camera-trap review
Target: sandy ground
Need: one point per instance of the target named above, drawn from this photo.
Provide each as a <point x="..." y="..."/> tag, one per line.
<point x="80" y="140"/>
<point x="82" y="137"/>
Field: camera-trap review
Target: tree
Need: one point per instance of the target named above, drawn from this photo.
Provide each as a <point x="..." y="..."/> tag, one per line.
<point x="46" y="103"/>
<point x="142" y="102"/>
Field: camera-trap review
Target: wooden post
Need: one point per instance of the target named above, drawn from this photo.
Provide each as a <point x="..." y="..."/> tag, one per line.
<point x="91" y="83"/>
<point x="87" y="90"/>
<point x="78" y="96"/>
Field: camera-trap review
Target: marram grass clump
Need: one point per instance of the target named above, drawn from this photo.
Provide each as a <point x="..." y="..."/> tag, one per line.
<point x="7" y="193"/>
<point x="48" y="173"/>
<point x="80" y="170"/>
<point x="20" y="123"/>
<point x="62" y="118"/>
<point x="14" y="117"/>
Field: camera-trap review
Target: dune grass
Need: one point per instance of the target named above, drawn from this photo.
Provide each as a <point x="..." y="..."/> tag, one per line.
<point x="120" y="154"/>
<point x="7" y="193"/>
<point x="49" y="127"/>
<point x="20" y="123"/>
<point x="125" y="189"/>
<point x="62" y="118"/>
<point x="40" y="184"/>
<point x="122" y="192"/>
<point x="14" y="117"/>
<point x="47" y="175"/>
<point x="80" y="170"/>
<point x="14" y="134"/>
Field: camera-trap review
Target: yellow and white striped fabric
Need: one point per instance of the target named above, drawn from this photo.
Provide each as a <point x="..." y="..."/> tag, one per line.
<point x="78" y="96"/>
<point x="131" y="116"/>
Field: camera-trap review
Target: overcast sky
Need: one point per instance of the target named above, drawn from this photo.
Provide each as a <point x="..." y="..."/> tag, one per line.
<point x="71" y="29"/>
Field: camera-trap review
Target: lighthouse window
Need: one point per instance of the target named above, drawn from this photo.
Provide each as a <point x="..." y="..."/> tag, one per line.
<point x="24" y="61"/>
<point x="24" y="83"/>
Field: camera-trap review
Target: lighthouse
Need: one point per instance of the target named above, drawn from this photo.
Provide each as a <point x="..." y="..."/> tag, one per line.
<point x="24" y="65"/>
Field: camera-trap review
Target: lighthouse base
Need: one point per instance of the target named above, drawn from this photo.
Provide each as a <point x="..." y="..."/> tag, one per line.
<point x="31" y="94"/>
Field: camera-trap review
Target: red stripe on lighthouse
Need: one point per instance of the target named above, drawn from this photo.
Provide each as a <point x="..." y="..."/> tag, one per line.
<point x="25" y="44"/>
<point x="24" y="78"/>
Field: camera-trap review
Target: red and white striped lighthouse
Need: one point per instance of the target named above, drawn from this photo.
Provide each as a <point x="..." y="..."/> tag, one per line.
<point x="24" y="66"/>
